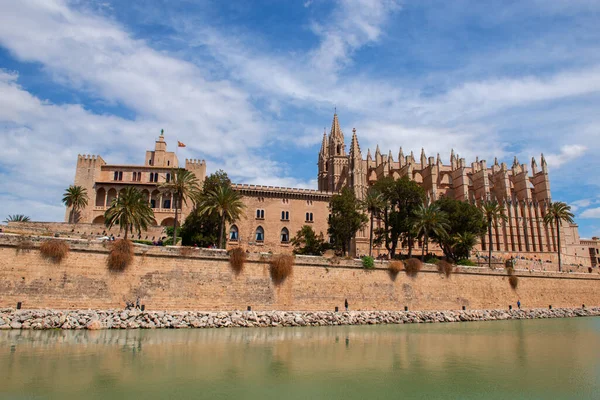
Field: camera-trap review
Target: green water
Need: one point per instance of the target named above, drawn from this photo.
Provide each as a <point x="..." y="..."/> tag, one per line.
<point x="543" y="359"/>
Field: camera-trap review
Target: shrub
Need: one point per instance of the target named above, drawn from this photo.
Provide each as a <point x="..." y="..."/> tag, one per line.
<point x="237" y="258"/>
<point x="412" y="266"/>
<point x="429" y="259"/>
<point x="146" y="242"/>
<point x="395" y="266"/>
<point x="120" y="255"/>
<point x="54" y="250"/>
<point x="24" y="246"/>
<point x="281" y="267"/>
<point x="467" y="263"/>
<point x="444" y="267"/>
<point x="514" y="281"/>
<point x="368" y="262"/>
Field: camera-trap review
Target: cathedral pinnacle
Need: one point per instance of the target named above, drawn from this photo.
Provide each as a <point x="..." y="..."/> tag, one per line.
<point x="354" y="146"/>
<point x="336" y="131"/>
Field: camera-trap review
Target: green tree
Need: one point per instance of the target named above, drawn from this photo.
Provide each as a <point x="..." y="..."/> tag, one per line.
<point x="17" y="218"/>
<point x="224" y="201"/>
<point x="466" y="225"/>
<point x="307" y="242"/>
<point x="347" y="217"/>
<point x="429" y="220"/>
<point x="130" y="210"/>
<point x="492" y="212"/>
<point x="184" y="185"/>
<point x="203" y="229"/>
<point x="556" y="213"/>
<point x="402" y="197"/>
<point x="75" y="197"/>
<point x="374" y="202"/>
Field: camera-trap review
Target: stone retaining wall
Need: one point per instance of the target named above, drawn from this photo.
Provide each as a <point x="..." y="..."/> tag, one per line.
<point x="191" y="279"/>
<point x="136" y="319"/>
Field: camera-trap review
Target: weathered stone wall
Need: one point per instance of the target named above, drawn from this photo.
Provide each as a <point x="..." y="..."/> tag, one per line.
<point x="77" y="230"/>
<point x="172" y="279"/>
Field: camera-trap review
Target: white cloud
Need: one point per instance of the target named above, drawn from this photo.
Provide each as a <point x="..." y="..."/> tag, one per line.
<point x="590" y="213"/>
<point x="567" y="153"/>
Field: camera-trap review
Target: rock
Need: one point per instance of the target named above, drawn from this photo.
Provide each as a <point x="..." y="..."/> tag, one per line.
<point x="15" y="325"/>
<point x="94" y="325"/>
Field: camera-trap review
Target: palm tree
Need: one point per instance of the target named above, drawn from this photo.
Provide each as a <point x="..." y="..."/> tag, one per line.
<point x="492" y="212"/>
<point x="130" y="210"/>
<point x="373" y="203"/>
<point x="226" y="202"/>
<point x="17" y="218"/>
<point x="75" y="197"/>
<point x="429" y="220"/>
<point x="183" y="185"/>
<point x="556" y="213"/>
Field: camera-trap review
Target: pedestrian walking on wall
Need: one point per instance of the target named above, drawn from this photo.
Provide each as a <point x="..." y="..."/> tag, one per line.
<point x="346" y="304"/>
<point x="519" y="304"/>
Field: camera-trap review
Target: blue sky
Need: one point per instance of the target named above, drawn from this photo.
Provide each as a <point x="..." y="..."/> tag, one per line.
<point x="249" y="86"/>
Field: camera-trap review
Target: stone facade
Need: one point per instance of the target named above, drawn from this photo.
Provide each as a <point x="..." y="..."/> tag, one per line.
<point x="275" y="214"/>
<point x="200" y="279"/>
<point x="104" y="182"/>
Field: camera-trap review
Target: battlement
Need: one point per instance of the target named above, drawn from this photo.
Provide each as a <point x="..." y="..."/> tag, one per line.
<point x="280" y="190"/>
<point x="193" y="161"/>
<point x="89" y="159"/>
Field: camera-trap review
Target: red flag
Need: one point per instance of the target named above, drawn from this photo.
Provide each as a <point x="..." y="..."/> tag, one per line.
<point x="179" y="144"/>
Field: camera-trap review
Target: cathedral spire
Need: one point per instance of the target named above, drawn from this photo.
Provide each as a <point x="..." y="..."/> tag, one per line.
<point x="378" y="158"/>
<point x="423" y="158"/>
<point x="336" y="131"/>
<point x="369" y="157"/>
<point x="390" y="158"/>
<point x="354" y="146"/>
<point x="324" y="143"/>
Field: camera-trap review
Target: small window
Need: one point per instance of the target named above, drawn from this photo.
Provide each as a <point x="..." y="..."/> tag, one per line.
<point x="260" y="214"/>
<point x="151" y="179"/>
<point x="116" y="176"/>
<point x="152" y="203"/>
<point x="260" y="234"/>
<point x="150" y="162"/>
<point x="168" y="178"/>
<point x="306" y="216"/>
<point x="167" y="203"/>
<point x="233" y="233"/>
<point x="168" y="163"/>
<point x="311" y="217"/>
<point x="285" y="235"/>
<point x="283" y="215"/>
<point x="156" y="177"/>
<point x="287" y="215"/>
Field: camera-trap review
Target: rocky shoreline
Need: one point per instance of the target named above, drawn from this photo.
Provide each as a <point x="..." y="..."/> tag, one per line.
<point x="136" y="319"/>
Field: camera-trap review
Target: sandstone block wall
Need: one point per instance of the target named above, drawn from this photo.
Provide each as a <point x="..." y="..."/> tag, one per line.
<point x="172" y="279"/>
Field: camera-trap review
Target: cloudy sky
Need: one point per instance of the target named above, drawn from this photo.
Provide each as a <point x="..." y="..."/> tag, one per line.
<point x="250" y="85"/>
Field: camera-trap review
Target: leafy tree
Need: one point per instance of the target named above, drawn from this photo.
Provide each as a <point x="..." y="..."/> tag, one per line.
<point x="224" y="201"/>
<point x="184" y="185"/>
<point x="75" y="197"/>
<point x="466" y="225"/>
<point x="17" y="218"/>
<point x="130" y="210"/>
<point x="402" y="197"/>
<point x="492" y="212"/>
<point x="373" y="203"/>
<point x="347" y="217"/>
<point x="202" y="229"/>
<point x="429" y="220"/>
<point x="557" y="213"/>
<point x="307" y="242"/>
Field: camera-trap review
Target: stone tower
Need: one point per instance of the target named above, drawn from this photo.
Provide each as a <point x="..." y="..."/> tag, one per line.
<point x="357" y="167"/>
<point x="333" y="161"/>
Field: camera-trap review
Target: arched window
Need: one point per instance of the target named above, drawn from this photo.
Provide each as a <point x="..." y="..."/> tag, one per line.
<point x="151" y="177"/>
<point x="311" y="217"/>
<point x="260" y="234"/>
<point x="260" y="214"/>
<point x="168" y="163"/>
<point x="116" y="176"/>
<point x="233" y="233"/>
<point x="156" y="177"/>
<point x="339" y="149"/>
<point x="283" y="215"/>
<point x="307" y="217"/>
<point x="285" y="235"/>
<point x="287" y="215"/>
<point x="100" y="197"/>
<point x="168" y="178"/>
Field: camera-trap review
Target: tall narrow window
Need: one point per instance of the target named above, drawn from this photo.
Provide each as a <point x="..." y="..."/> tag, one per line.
<point x="260" y="234"/>
<point x="151" y="179"/>
<point x="287" y="215"/>
<point x="307" y="217"/>
<point x="233" y="233"/>
<point x="168" y="178"/>
<point x="120" y="175"/>
<point x="285" y="235"/>
<point x="116" y="176"/>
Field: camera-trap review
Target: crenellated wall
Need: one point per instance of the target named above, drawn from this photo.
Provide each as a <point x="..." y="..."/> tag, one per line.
<point x="193" y="279"/>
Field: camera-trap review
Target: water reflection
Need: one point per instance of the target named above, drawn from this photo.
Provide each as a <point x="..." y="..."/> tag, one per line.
<point x="522" y="359"/>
